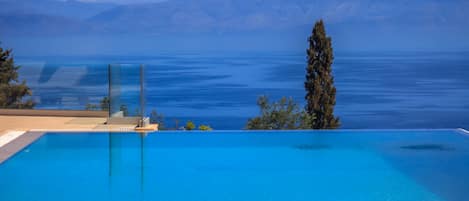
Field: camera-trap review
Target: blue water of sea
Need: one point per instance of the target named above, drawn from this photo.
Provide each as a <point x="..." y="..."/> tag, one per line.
<point x="374" y="90"/>
<point x="399" y="165"/>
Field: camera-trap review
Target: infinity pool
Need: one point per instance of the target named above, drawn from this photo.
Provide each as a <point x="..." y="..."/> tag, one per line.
<point x="414" y="165"/>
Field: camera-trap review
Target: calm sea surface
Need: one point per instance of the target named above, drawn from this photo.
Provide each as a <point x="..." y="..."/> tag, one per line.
<point x="375" y="90"/>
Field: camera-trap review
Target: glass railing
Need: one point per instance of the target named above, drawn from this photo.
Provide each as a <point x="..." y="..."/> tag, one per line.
<point x="126" y="98"/>
<point x="115" y="90"/>
<point x="70" y="86"/>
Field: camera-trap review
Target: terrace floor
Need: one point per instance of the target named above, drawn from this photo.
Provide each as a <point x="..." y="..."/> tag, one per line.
<point x="13" y="129"/>
<point x="38" y="123"/>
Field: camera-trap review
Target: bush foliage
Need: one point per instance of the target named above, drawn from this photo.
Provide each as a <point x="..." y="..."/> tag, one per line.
<point x="190" y="126"/>
<point x="205" y="128"/>
<point x="281" y="115"/>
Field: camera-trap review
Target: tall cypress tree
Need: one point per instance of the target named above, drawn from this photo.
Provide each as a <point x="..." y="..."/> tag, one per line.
<point x="319" y="84"/>
<point x="12" y="90"/>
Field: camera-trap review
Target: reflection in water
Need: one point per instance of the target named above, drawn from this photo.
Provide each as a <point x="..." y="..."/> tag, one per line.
<point x="121" y="168"/>
<point x="142" y="160"/>
<point x="312" y="147"/>
<point x="432" y="147"/>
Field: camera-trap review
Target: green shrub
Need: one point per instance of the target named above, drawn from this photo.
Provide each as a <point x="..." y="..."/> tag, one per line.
<point x="190" y="126"/>
<point x="205" y="128"/>
<point x="284" y="114"/>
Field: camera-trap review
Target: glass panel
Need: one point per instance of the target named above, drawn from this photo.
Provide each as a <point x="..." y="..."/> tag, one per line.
<point x="126" y="91"/>
<point x="59" y="84"/>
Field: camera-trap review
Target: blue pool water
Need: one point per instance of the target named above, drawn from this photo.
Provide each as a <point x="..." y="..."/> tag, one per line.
<point x="414" y="165"/>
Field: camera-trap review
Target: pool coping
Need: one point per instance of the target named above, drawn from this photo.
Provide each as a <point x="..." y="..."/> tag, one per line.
<point x="93" y="130"/>
<point x="462" y="130"/>
<point x="17" y="143"/>
<point x="128" y="130"/>
<point x="9" y="136"/>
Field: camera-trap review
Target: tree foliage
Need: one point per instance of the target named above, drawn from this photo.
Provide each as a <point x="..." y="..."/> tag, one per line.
<point x="319" y="84"/>
<point x="90" y="106"/>
<point x="103" y="105"/>
<point x="12" y="91"/>
<point x="157" y="118"/>
<point x="281" y="115"/>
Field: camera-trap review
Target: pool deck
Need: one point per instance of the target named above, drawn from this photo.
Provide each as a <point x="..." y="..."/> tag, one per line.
<point x="38" y="123"/>
<point x="16" y="132"/>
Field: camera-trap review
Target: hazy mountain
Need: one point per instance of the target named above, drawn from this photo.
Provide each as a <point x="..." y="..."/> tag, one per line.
<point x="211" y="15"/>
<point x="241" y="24"/>
<point x="48" y="17"/>
<point x="70" y="9"/>
<point x="38" y="24"/>
<point x="229" y="15"/>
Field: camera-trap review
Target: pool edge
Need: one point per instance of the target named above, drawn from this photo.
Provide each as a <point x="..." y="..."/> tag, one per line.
<point x="14" y="146"/>
<point x="9" y="136"/>
<point x="463" y="131"/>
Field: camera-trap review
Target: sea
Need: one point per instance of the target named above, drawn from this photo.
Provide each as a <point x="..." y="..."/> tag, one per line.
<point x="375" y="90"/>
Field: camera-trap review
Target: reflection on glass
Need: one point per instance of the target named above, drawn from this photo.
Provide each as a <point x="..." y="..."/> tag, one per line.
<point x="65" y="85"/>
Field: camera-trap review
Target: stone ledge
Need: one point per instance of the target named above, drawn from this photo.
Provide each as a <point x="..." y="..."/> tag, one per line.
<point x="17" y="144"/>
<point x="149" y="128"/>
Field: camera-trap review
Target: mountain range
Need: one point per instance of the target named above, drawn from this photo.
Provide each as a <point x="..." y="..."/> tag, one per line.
<point x="52" y="16"/>
<point x="346" y="19"/>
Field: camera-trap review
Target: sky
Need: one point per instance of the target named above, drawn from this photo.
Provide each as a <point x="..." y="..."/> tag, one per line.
<point x="144" y="26"/>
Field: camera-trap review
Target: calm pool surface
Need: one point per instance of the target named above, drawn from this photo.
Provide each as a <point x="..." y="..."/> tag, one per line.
<point x="414" y="165"/>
